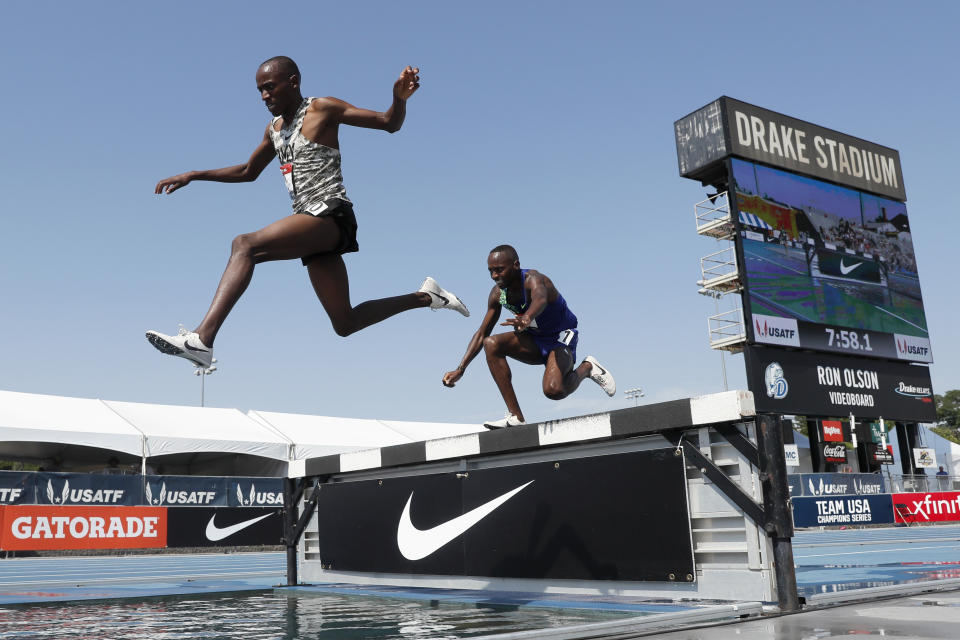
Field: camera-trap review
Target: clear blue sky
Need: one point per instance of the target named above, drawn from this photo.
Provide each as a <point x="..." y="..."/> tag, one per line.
<point x="547" y="125"/>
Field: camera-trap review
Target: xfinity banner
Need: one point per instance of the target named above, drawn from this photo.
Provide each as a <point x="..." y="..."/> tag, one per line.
<point x="832" y="484"/>
<point x="838" y="511"/>
<point x="86" y="489"/>
<point x="941" y="506"/>
<point x="819" y="384"/>
<point x="730" y="127"/>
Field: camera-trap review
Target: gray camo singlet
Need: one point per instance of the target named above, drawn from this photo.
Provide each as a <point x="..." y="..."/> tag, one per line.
<point x="311" y="171"/>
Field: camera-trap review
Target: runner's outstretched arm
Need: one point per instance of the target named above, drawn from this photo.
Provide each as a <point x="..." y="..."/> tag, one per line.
<point x="247" y="172"/>
<point x="390" y="120"/>
<point x="476" y="342"/>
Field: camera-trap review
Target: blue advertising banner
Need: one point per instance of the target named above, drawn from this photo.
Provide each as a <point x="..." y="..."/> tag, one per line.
<point x="254" y="492"/>
<point x="17" y="487"/>
<point x="835" y="484"/>
<point x="30" y="487"/>
<point x="842" y="510"/>
<point x="185" y="491"/>
<point x="87" y="489"/>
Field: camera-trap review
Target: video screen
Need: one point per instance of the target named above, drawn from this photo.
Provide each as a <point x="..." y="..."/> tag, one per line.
<point x="827" y="267"/>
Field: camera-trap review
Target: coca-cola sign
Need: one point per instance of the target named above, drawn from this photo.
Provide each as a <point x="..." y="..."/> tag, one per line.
<point x="834" y="452"/>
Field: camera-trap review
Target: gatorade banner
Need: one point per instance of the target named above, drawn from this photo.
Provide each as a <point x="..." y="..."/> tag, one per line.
<point x="38" y="528"/>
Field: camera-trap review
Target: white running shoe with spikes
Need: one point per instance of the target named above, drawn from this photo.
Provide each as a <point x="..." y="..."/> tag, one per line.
<point x="601" y="376"/>
<point x="440" y="298"/>
<point x="186" y="344"/>
<point x="509" y="421"/>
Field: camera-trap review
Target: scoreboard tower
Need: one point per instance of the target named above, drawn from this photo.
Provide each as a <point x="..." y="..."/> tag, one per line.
<point x="819" y="258"/>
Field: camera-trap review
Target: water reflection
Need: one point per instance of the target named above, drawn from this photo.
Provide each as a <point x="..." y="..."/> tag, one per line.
<point x="252" y="616"/>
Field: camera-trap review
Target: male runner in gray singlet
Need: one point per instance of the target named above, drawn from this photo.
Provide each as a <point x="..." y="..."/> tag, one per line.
<point x="544" y="332"/>
<point x="304" y="134"/>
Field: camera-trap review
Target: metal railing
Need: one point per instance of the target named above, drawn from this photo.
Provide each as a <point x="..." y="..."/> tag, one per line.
<point x="922" y="483"/>
<point x="713" y="216"/>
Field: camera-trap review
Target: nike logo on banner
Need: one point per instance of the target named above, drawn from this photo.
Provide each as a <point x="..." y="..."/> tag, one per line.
<point x="415" y="543"/>
<point x="215" y="533"/>
<point x="844" y="269"/>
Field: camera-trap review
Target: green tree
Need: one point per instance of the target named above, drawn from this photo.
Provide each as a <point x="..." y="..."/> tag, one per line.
<point x="948" y="415"/>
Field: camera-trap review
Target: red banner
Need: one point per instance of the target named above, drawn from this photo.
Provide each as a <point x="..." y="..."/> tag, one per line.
<point x="938" y="506"/>
<point x="36" y="528"/>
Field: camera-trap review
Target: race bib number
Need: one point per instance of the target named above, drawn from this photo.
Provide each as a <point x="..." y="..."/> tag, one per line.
<point x="287" y="171"/>
<point x="566" y="337"/>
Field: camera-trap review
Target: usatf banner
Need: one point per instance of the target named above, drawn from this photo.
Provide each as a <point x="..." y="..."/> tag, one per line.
<point x="86" y="489"/>
<point x="31" y="528"/>
<point x="17" y="487"/>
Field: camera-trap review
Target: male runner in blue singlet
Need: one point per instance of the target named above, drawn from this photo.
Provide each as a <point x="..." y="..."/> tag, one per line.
<point x="544" y="332"/>
<point x="304" y="134"/>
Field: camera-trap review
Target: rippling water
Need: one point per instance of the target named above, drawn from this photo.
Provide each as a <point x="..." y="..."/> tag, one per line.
<point x="252" y="616"/>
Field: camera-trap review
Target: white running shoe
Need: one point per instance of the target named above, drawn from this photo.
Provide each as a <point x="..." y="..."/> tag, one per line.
<point x="601" y="376"/>
<point x="510" y="421"/>
<point x="440" y="298"/>
<point x="186" y="344"/>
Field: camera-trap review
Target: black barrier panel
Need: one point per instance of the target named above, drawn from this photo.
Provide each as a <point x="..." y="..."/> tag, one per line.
<point x="223" y="527"/>
<point x="819" y="384"/>
<point x="182" y="491"/>
<point x="830" y="484"/>
<point x="254" y="492"/>
<point x="17" y="487"/>
<point x="842" y="511"/>
<point x="621" y="517"/>
<point x="87" y="489"/>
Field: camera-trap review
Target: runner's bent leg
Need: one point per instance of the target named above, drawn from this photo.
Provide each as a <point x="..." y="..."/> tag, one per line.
<point x="560" y="379"/>
<point x="517" y="346"/>
<point x="328" y="275"/>
<point x="292" y="237"/>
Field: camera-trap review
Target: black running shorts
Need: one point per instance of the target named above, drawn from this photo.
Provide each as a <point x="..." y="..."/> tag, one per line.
<point x="342" y="213"/>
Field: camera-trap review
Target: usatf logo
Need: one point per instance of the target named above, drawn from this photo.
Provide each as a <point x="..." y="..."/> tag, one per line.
<point x="66" y="495"/>
<point x="913" y="348"/>
<point x="826" y="488"/>
<point x="774" y="330"/>
<point x="254" y="498"/>
<point x="177" y="497"/>
<point x="777" y="386"/>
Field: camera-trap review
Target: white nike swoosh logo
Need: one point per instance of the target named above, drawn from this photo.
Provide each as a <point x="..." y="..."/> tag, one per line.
<point x="215" y="533"/>
<point x="415" y="543"/>
<point x="844" y="269"/>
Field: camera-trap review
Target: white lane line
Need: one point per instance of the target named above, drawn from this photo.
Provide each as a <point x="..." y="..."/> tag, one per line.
<point x="854" y="553"/>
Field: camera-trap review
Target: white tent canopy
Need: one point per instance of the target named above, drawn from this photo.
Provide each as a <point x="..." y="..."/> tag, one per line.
<point x="188" y="439"/>
<point x="29" y="421"/>
<point x="170" y="429"/>
<point x="321" y="435"/>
